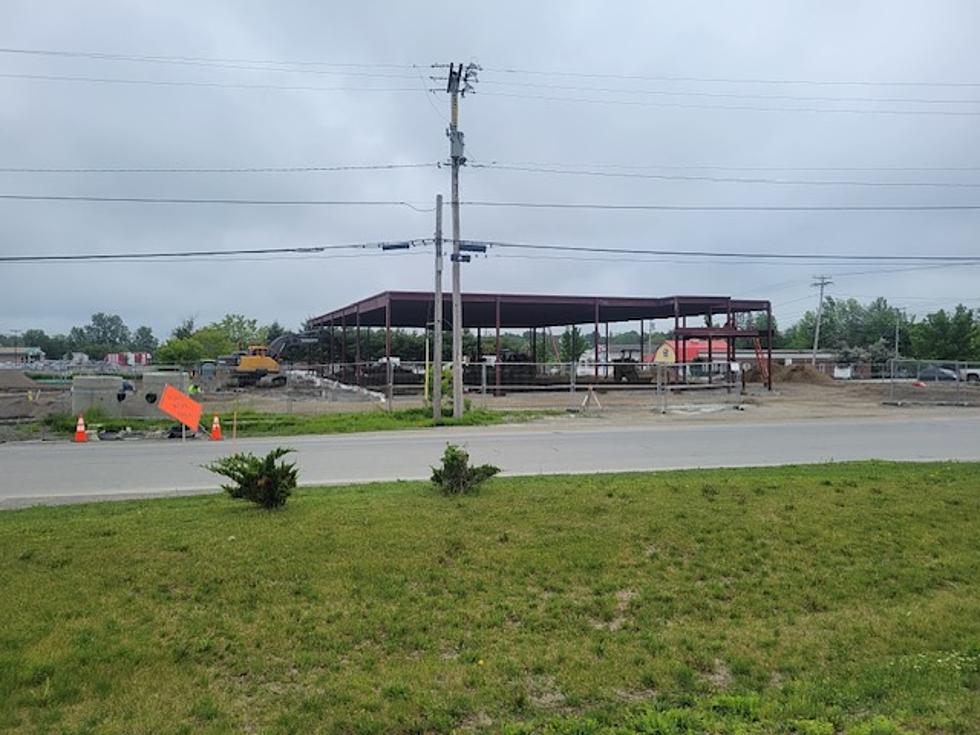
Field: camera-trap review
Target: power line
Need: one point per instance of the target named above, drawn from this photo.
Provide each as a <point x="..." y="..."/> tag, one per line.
<point x="709" y="167"/>
<point x="312" y="65"/>
<point x="729" y="208"/>
<point x="234" y="202"/>
<point x="734" y="80"/>
<point x="721" y="179"/>
<point x="198" y="170"/>
<point x="200" y="60"/>
<point x="203" y="254"/>
<point x="671" y="256"/>
<point x="739" y="108"/>
<point x="519" y="205"/>
<point x="740" y="95"/>
<point x="848" y="257"/>
<point x="205" y="84"/>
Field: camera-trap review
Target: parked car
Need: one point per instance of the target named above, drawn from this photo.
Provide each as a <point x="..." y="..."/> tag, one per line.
<point x="970" y="375"/>
<point x="936" y="373"/>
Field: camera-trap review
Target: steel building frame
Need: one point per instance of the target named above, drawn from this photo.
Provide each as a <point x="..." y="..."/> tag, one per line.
<point x="497" y="311"/>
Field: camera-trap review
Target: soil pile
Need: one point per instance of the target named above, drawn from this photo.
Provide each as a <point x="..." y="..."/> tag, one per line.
<point x="16" y="380"/>
<point x="797" y="373"/>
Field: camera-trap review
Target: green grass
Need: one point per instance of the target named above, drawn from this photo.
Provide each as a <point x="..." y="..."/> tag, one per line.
<point x="254" y="423"/>
<point x="816" y="600"/>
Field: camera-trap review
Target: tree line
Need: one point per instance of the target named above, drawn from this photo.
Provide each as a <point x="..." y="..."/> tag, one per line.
<point x="105" y="333"/>
<point x="108" y="333"/>
<point x="853" y="331"/>
<point x="857" y="332"/>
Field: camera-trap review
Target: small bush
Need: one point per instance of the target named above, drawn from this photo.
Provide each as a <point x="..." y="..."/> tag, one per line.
<point x="263" y="481"/>
<point x="455" y="476"/>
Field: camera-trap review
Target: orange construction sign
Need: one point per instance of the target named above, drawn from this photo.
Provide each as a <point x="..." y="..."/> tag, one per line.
<point x="181" y="406"/>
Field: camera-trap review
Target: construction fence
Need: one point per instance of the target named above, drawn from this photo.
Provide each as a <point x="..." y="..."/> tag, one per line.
<point x="936" y="382"/>
<point x="545" y="385"/>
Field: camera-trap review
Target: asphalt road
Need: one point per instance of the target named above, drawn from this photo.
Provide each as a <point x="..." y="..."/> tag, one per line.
<point x="33" y="473"/>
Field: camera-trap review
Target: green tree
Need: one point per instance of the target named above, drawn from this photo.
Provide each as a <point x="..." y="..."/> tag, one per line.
<point x="214" y="341"/>
<point x="143" y="340"/>
<point x="270" y="332"/>
<point x="573" y="344"/>
<point x="54" y="346"/>
<point x="185" y="329"/>
<point x="944" y="336"/>
<point x="107" y="329"/>
<point x="177" y="351"/>
<point x="240" y="329"/>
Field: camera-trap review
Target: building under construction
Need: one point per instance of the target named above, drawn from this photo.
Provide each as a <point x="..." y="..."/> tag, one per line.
<point x="719" y="320"/>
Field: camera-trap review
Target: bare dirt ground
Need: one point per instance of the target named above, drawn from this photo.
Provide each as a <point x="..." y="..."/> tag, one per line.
<point x="788" y="401"/>
<point x="807" y="400"/>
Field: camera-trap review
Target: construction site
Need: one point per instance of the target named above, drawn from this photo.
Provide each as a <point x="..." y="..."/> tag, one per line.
<point x="714" y="360"/>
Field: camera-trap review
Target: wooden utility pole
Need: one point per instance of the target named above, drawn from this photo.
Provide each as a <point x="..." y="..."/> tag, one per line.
<point x="821" y="282"/>
<point x="458" y="84"/>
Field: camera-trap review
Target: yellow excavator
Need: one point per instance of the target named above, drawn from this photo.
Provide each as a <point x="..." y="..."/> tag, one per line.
<point x="252" y="366"/>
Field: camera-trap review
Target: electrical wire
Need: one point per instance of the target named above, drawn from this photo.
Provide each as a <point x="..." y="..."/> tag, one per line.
<point x="234" y="202"/>
<point x="739" y="108"/>
<point x="198" y="170"/>
<point x="207" y="254"/>
<point x="737" y="95"/>
<point x="197" y="60"/>
<point x="732" y="80"/>
<point x="731" y="255"/>
<point x="218" y="61"/>
<point x="699" y="167"/>
<point x="206" y="84"/>
<point x="729" y="208"/>
<point x="721" y="179"/>
<point x="235" y="259"/>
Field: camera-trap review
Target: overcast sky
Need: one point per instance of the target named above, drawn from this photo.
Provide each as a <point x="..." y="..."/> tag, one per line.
<point x="49" y="123"/>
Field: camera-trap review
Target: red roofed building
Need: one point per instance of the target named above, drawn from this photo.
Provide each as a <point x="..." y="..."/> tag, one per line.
<point x="692" y="350"/>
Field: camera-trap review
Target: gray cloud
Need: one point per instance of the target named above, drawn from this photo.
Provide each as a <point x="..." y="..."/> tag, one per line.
<point x="49" y="123"/>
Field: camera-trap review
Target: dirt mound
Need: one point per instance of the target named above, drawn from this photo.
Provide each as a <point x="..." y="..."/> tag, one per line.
<point x="15" y="380"/>
<point x="797" y="373"/>
<point x="800" y="374"/>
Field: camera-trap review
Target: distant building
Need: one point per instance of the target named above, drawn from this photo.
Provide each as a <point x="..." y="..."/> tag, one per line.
<point x="128" y="359"/>
<point x="692" y="350"/>
<point x="21" y="355"/>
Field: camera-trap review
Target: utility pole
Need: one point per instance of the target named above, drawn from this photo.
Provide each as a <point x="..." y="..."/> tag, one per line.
<point x="821" y="282"/>
<point x="437" y="320"/>
<point x="898" y="321"/>
<point x="458" y="84"/>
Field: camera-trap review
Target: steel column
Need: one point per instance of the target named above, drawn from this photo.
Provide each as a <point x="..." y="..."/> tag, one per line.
<point x="711" y="351"/>
<point x="769" y="347"/>
<point x="677" y="337"/>
<point x="608" y="359"/>
<point x="497" y="327"/>
<point x="595" y="339"/>
<point x="343" y="345"/>
<point x="357" y="345"/>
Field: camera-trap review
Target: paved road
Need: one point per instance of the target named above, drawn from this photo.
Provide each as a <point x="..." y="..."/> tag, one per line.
<point x="33" y="472"/>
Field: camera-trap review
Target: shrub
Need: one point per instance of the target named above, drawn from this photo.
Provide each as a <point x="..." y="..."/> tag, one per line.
<point x="455" y="476"/>
<point x="261" y="480"/>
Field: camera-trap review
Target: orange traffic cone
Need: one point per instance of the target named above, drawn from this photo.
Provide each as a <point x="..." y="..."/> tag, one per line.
<point x="215" y="429"/>
<point x="80" y="435"/>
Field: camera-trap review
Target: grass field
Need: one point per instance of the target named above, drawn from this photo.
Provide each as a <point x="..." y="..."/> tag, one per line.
<point x="817" y="600"/>
<point x="255" y="423"/>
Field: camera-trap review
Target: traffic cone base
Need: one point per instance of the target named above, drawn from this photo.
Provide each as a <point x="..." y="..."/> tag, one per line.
<point x="80" y="433"/>
<point x="215" y="429"/>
